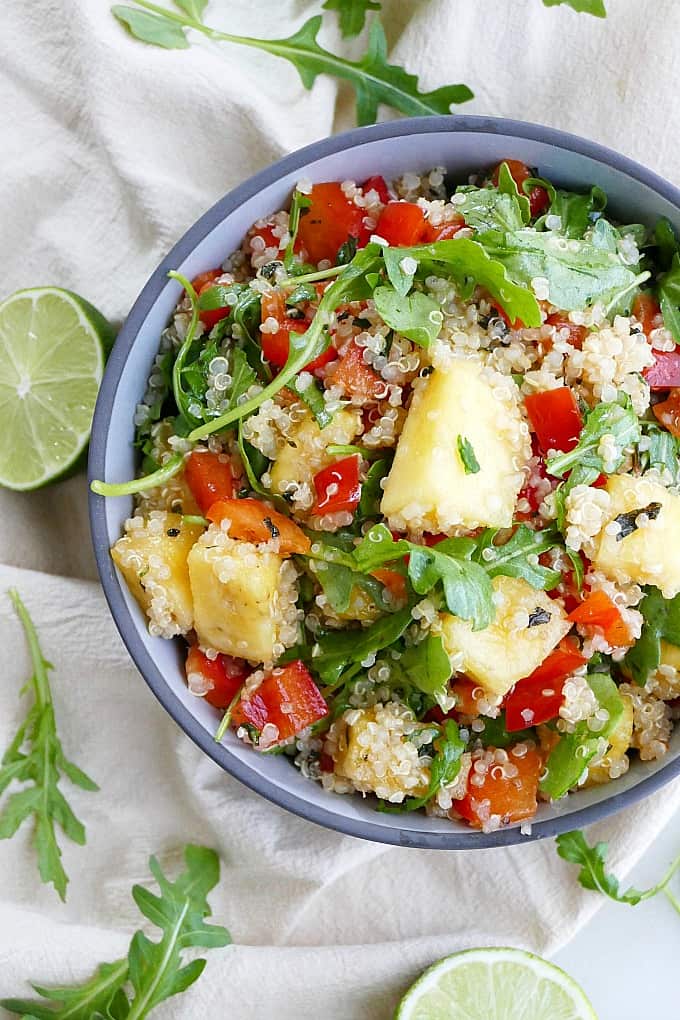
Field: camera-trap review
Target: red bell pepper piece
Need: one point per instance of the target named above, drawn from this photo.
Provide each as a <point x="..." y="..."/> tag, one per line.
<point x="209" y="477"/>
<point x="204" y="281"/>
<point x="355" y="377"/>
<point x="555" y="418"/>
<point x="401" y="224"/>
<point x="251" y="520"/>
<point x="444" y="231"/>
<point x="338" y="486"/>
<point x="577" y="334"/>
<point x="377" y="183"/>
<point x="667" y="412"/>
<point x="288" y="698"/>
<point x="275" y="346"/>
<point x="225" y="674"/>
<point x="539" y="199"/>
<point x="664" y="374"/>
<point x="598" y="610"/>
<point x="538" y="697"/>
<point x="328" y="223"/>
<point x="513" y="798"/>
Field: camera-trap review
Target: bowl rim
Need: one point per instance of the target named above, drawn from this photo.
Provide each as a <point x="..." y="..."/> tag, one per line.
<point x="241" y="770"/>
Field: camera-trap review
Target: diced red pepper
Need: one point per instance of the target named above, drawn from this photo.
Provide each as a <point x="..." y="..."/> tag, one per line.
<point x="338" y="486"/>
<point x="598" y="610"/>
<point x="288" y="698"/>
<point x="393" y="581"/>
<point x="401" y="224"/>
<point x="430" y="540"/>
<point x="225" y="674"/>
<point x="540" y="694"/>
<point x="209" y="477"/>
<point x="275" y="346"/>
<point x="647" y="310"/>
<point x="511" y="798"/>
<point x="251" y="520"/>
<point x="667" y="413"/>
<point x="539" y="199"/>
<point x="555" y="418"/>
<point x="467" y="694"/>
<point x="577" y="334"/>
<point x="664" y="374"/>
<point x="444" y="231"/>
<point x="355" y="377"/>
<point x="378" y="184"/>
<point x="328" y="223"/>
<point x="209" y="317"/>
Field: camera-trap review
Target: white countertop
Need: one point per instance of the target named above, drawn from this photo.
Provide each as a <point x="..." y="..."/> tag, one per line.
<point x="626" y="958"/>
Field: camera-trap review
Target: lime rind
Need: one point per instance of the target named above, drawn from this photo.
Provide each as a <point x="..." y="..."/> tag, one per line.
<point x="495" y="984"/>
<point x="53" y="347"/>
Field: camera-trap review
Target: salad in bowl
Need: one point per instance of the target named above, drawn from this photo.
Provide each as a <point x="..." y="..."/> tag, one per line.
<point x="408" y="491"/>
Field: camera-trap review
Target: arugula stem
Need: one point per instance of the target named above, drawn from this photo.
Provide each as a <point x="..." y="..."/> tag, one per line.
<point x="672" y="899"/>
<point x="322" y="274"/>
<point x="195" y="519"/>
<point x="226" y="718"/>
<point x="43" y="695"/>
<point x="172" y="467"/>
<point x="661" y="886"/>
<point x="178" y="366"/>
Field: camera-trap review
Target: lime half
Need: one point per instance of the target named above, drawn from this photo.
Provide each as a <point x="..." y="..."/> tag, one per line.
<point x="53" y="346"/>
<point x="494" y="984"/>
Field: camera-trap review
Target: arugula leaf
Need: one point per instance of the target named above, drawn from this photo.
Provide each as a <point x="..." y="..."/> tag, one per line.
<point x="338" y="581"/>
<point x="515" y="558"/>
<point x="416" y="316"/>
<point x="449" y="748"/>
<point x="495" y="733"/>
<point x="574" y="751"/>
<point x="578" y="272"/>
<point x="594" y="7"/>
<point x="490" y="209"/>
<point x="151" y="28"/>
<point x="427" y="665"/>
<point x="669" y="298"/>
<point x="338" y="650"/>
<point x="194" y="8"/>
<point x="577" y="212"/>
<point x="36" y="758"/>
<point x="371" y="489"/>
<point x="374" y="80"/>
<point x="573" y="847"/>
<point x="351" y="14"/>
<point x="661" y="621"/>
<point x="666" y="242"/>
<point x="130" y="989"/>
<point x="465" y="261"/>
<point x="298" y="206"/>
<point x="467" y="456"/>
<point x="617" y="419"/>
<point x="663" y="453"/>
<point x="507" y="185"/>
<point x="312" y="396"/>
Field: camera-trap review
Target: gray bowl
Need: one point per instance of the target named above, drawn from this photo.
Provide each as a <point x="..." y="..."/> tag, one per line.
<point x="461" y="144"/>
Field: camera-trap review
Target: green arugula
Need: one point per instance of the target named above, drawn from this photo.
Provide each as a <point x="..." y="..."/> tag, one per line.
<point x="594" y="7"/>
<point x="449" y="748"/>
<point x="578" y="272"/>
<point x="616" y="419"/>
<point x="663" y="453"/>
<point x="668" y="291"/>
<point x="427" y="665"/>
<point x="416" y="316"/>
<point x="577" y="212"/>
<point x="351" y="14"/>
<point x="130" y="988"/>
<point x="495" y="733"/>
<point x="490" y="208"/>
<point x="36" y="758"/>
<point x="375" y="81"/>
<point x="371" y="489"/>
<point x="172" y="467"/>
<point x="518" y="557"/>
<point x="298" y="207"/>
<point x="467" y="456"/>
<point x="661" y="621"/>
<point x="507" y="185"/>
<point x="573" y="847"/>
<point x="336" y="651"/>
<point x="574" y="751"/>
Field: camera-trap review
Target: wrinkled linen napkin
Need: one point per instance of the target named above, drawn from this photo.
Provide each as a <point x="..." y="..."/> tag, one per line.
<point x="110" y="151"/>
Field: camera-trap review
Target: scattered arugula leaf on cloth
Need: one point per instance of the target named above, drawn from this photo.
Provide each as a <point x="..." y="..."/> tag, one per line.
<point x="351" y="14"/>
<point x="594" y="7"/>
<point x="573" y="847"/>
<point x="375" y="81"/>
<point x="35" y="757"/>
<point x="129" y="989"/>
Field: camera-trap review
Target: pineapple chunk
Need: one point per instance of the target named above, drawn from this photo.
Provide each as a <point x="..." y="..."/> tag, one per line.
<point x="428" y="488"/>
<point x="620" y="740"/>
<point x="376" y="755"/>
<point x="152" y="557"/>
<point x="650" y="554"/>
<point x="496" y="658"/>
<point x="244" y="598"/>
<point x="304" y="453"/>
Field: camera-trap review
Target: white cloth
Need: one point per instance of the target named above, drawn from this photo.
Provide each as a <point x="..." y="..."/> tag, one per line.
<point x="110" y="150"/>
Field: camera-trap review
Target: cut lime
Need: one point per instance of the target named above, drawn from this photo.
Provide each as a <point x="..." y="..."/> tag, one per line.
<point x="53" y="345"/>
<point x="494" y="984"/>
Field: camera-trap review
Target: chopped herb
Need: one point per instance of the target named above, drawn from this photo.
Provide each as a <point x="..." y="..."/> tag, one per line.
<point x="173" y="532"/>
<point x="539" y="616"/>
<point x="271" y="527"/>
<point x="628" y="522"/>
<point x="467" y="456"/>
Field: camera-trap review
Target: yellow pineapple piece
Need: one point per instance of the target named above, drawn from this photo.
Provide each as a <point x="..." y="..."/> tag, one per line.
<point x="304" y="453"/>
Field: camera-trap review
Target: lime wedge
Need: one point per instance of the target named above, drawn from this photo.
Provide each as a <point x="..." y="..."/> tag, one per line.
<point x="53" y="346"/>
<point x="494" y="984"/>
